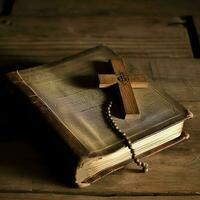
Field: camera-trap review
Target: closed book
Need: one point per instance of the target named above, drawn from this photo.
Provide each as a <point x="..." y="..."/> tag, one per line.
<point x="66" y="93"/>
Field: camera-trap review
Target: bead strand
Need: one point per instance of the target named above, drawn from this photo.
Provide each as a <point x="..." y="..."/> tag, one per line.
<point x="126" y="139"/>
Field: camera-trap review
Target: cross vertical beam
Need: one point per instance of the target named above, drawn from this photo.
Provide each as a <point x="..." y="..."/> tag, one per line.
<point x="121" y="79"/>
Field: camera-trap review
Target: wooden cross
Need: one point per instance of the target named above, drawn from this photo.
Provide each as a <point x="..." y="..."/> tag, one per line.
<point x="125" y="85"/>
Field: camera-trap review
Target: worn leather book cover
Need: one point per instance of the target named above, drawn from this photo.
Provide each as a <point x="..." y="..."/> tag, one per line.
<point x="67" y="95"/>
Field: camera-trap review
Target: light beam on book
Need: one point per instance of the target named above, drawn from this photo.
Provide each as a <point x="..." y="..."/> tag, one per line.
<point x="125" y="85"/>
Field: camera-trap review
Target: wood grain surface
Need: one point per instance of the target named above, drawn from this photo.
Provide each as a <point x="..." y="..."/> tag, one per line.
<point x="157" y="46"/>
<point x="174" y="171"/>
<point x="103" y="7"/>
<point x="23" y="196"/>
<point x="34" y="40"/>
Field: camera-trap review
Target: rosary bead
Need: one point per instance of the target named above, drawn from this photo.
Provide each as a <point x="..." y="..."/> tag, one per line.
<point x="136" y="160"/>
<point x="109" y="115"/>
<point x="133" y="157"/>
<point x="145" y="169"/>
<point x="129" y="143"/>
<point x="126" y="140"/>
<point x="132" y="151"/>
<point x="140" y="163"/>
<point x="123" y="134"/>
<point x="144" y="165"/>
<point x="111" y="120"/>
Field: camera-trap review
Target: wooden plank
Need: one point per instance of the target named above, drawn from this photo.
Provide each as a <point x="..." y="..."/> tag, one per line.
<point x="26" y="167"/>
<point x="23" y="196"/>
<point x="180" y="69"/>
<point x="165" y="68"/>
<point x="178" y="77"/>
<point x="99" y="7"/>
<point x="34" y="40"/>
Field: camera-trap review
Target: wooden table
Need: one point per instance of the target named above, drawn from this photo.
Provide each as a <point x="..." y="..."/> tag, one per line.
<point x="165" y="47"/>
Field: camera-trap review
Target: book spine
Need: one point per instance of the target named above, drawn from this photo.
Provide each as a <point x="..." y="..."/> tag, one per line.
<point x="16" y="80"/>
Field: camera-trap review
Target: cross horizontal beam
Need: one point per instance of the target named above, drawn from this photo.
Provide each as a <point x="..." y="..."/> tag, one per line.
<point x="125" y="85"/>
<point x="107" y="80"/>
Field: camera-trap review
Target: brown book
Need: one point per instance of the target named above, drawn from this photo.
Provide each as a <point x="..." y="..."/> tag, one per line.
<point x="67" y="94"/>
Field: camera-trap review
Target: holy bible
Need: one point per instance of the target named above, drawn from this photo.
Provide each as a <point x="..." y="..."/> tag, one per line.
<point x="66" y="93"/>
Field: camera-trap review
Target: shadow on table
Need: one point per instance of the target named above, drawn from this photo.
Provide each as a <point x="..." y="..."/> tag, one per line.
<point x="28" y="145"/>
